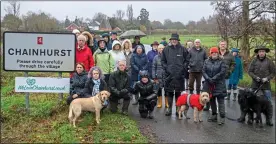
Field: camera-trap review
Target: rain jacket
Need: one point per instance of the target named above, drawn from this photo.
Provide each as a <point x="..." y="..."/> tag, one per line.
<point x="151" y="54"/>
<point x="138" y="63"/>
<point x="238" y="70"/>
<point x="104" y="60"/>
<point x="85" y="56"/>
<point x="117" y="54"/>
<point x="127" y="55"/>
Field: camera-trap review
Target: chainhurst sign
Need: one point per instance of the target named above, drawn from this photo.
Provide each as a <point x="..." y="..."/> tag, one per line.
<point x="42" y="85"/>
<point x="39" y="52"/>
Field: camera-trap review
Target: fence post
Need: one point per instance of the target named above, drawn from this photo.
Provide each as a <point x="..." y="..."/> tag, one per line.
<point x="27" y="94"/>
<point x="60" y="94"/>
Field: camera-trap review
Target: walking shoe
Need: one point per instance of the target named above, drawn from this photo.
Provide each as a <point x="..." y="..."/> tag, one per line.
<point x="212" y="118"/>
<point x="221" y="121"/>
<point x="168" y="112"/>
<point x="150" y="115"/>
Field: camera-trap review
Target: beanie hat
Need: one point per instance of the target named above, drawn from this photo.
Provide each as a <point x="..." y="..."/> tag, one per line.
<point x="214" y="50"/>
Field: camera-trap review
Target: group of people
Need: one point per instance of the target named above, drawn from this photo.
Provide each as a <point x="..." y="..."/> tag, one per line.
<point x="124" y="69"/>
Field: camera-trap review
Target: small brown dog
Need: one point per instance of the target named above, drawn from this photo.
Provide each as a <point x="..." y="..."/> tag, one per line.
<point x="93" y="104"/>
<point x="197" y="102"/>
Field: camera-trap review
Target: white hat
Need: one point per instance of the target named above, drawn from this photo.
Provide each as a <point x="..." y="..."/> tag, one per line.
<point x="76" y="31"/>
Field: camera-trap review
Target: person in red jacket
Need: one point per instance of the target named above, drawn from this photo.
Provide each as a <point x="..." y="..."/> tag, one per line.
<point x="84" y="54"/>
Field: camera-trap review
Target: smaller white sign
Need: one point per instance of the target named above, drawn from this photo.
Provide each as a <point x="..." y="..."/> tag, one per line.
<point x="42" y="85"/>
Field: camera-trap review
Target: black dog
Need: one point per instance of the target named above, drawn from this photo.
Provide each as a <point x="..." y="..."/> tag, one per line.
<point x="250" y="103"/>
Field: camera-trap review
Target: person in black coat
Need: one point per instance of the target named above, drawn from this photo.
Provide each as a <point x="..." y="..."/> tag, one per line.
<point x="77" y="83"/>
<point x="174" y="63"/>
<point x="119" y="83"/>
<point x="148" y="95"/>
<point x="214" y="72"/>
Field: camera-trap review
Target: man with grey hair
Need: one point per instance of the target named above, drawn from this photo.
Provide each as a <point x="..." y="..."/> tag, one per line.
<point x="196" y="57"/>
<point x="83" y="54"/>
<point x="119" y="83"/>
<point x="229" y="60"/>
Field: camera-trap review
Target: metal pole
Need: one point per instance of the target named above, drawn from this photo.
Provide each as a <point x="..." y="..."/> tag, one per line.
<point x="27" y="94"/>
<point x="60" y="94"/>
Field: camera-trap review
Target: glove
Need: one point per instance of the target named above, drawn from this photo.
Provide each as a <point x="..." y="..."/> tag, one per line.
<point x="264" y="80"/>
<point x="211" y="81"/>
<point x="75" y="95"/>
<point x="258" y="79"/>
<point x="123" y="92"/>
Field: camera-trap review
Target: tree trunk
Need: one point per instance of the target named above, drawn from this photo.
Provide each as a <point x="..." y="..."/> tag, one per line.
<point x="245" y="37"/>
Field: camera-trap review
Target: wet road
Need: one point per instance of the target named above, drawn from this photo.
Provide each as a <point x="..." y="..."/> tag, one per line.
<point x="171" y="130"/>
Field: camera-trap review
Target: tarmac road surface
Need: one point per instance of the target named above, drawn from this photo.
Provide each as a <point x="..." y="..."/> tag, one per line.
<point x="169" y="129"/>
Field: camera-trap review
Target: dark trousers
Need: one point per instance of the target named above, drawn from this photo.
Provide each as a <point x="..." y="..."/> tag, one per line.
<point x="170" y="97"/>
<point x="195" y="76"/>
<point x="114" y="105"/>
<point x="159" y="92"/>
<point x="106" y="78"/>
<point x="146" y="106"/>
<point x="221" y="105"/>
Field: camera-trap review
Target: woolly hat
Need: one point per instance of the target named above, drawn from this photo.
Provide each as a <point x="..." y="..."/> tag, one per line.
<point x="214" y="50"/>
<point x="235" y="50"/>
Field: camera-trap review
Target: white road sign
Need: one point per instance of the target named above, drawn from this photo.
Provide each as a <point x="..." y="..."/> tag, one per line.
<point x="40" y="52"/>
<point x="42" y="85"/>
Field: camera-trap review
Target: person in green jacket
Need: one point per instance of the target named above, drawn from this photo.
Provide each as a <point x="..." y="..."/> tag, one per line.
<point x="104" y="59"/>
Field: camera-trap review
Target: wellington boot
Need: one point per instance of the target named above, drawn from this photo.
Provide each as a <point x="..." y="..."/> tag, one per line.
<point x="159" y="102"/>
<point x="166" y="102"/>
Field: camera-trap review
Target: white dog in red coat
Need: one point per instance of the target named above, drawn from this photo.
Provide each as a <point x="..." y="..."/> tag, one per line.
<point x="196" y="101"/>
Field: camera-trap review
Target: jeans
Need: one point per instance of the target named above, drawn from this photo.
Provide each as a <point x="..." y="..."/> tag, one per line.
<point x="268" y="94"/>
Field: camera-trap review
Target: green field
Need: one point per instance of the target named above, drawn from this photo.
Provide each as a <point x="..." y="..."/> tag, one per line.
<point x="206" y="40"/>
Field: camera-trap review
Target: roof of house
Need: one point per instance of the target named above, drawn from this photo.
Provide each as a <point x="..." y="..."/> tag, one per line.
<point x="71" y="25"/>
<point x="117" y="29"/>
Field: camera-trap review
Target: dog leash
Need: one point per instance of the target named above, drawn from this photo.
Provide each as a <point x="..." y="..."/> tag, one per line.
<point x="257" y="90"/>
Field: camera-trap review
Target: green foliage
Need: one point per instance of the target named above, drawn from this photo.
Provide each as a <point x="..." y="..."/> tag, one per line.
<point x="48" y="119"/>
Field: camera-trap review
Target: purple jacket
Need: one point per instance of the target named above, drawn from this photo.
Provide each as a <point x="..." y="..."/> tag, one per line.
<point x="151" y="54"/>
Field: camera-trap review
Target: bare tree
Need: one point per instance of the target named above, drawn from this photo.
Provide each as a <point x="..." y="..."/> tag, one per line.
<point x="129" y="13"/>
<point x="119" y="14"/>
<point x="99" y="17"/>
<point x="13" y="8"/>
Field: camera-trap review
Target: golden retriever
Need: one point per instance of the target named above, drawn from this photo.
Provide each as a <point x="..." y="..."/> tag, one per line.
<point x="197" y="102"/>
<point x="93" y="104"/>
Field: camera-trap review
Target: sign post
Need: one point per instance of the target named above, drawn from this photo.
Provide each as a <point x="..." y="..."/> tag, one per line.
<point x="27" y="94"/>
<point x="60" y="94"/>
<point x="39" y="52"/>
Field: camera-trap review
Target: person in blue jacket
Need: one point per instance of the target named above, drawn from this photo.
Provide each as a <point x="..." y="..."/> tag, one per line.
<point x="151" y="54"/>
<point x="236" y="75"/>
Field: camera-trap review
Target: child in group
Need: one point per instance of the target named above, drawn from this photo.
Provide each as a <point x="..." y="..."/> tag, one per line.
<point x="148" y="95"/>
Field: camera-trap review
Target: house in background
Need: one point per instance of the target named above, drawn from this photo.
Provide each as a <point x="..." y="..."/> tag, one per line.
<point x="104" y="25"/>
<point x="72" y="26"/>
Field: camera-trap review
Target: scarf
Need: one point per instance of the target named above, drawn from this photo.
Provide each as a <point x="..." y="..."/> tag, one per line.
<point x="96" y="87"/>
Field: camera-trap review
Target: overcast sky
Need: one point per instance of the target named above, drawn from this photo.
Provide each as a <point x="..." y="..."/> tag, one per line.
<point x="159" y="10"/>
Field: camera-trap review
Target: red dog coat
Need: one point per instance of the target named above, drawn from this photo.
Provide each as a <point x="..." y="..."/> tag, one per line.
<point x="194" y="101"/>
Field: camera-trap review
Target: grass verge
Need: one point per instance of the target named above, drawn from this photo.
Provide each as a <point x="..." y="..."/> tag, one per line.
<point x="48" y="122"/>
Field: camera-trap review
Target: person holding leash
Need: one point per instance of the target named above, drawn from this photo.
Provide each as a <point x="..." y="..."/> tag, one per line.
<point x="262" y="70"/>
